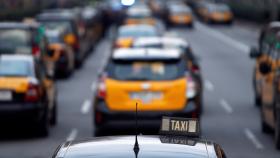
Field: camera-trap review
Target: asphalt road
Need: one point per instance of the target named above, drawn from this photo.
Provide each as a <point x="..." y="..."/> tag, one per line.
<point x="230" y="117"/>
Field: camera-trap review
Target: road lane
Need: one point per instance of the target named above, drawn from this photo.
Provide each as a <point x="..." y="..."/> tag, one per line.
<point x="230" y="71"/>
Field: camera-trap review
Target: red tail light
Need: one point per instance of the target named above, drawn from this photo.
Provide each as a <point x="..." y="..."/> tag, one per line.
<point x="76" y="45"/>
<point x="195" y="69"/>
<point x="33" y="93"/>
<point x="35" y="51"/>
<point x="101" y="89"/>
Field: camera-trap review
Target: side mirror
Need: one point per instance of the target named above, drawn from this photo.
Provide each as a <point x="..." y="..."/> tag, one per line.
<point x="265" y="68"/>
<point x="254" y="53"/>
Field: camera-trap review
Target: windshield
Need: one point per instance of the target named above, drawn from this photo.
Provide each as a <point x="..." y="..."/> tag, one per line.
<point x="15" y="41"/>
<point x="58" y="25"/>
<point x="15" y="68"/>
<point x="138" y="32"/>
<point x="147" y="70"/>
<point x="180" y="10"/>
<point x="219" y="8"/>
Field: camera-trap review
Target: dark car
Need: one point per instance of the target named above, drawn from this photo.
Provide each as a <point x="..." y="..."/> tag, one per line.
<point x="75" y="37"/>
<point x="24" y="90"/>
<point x="185" y="145"/>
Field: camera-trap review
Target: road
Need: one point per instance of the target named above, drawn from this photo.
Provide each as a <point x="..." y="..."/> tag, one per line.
<point x="230" y="117"/>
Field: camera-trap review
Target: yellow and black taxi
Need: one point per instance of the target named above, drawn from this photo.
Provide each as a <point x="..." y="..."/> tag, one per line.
<point x="179" y="137"/>
<point x="24" y="90"/>
<point x="215" y="13"/>
<point x="55" y="19"/>
<point x="128" y="33"/>
<point x="180" y="15"/>
<point x="267" y="80"/>
<point x="140" y="14"/>
<point x="262" y="55"/>
<point x="60" y="55"/>
<point x="157" y="79"/>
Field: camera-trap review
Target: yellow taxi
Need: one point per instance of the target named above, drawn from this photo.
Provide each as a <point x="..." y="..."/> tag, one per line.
<point x="140" y="14"/>
<point x="60" y="55"/>
<point x="128" y="33"/>
<point x="24" y="93"/>
<point x="215" y="13"/>
<point x="180" y="15"/>
<point x="266" y="79"/>
<point x="156" y="79"/>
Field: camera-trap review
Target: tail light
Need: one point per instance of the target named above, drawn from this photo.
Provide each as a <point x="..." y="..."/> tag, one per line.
<point x="33" y="93"/>
<point x="76" y="45"/>
<point x="101" y="89"/>
<point x="62" y="53"/>
<point x="195" y="69"/>
<point x="35" y="51"/>
<point x="191" y="87"/>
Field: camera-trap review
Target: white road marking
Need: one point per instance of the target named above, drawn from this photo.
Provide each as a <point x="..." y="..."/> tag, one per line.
<point x="250" y="135"/>
<point x="226" y="106"/>
<point x="85" y="107"/>
<point x="93" y="86"/>
<point x="209" y="85"/>
<point x="241" y="46"/>
<point x="73" y="134"/>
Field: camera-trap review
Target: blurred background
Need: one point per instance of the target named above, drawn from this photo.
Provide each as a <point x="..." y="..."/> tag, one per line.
<point x="235" y="49"/>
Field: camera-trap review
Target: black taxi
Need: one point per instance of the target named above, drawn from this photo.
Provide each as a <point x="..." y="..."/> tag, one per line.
<point x="179" y="137"/>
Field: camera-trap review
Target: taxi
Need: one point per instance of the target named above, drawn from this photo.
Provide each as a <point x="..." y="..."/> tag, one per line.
<point x="266" y="42"/>
<point x="157" y="79"/>
<point x="24" y="93"/>
<point x="128" y="33"/>
<point x="267" y="79"/>
<point x="215" y="13"/>
<point x="60" y="55"/>
<point x="179" y="137"/>
<point x="180" y="15"/>
<point x="140" y="14"/>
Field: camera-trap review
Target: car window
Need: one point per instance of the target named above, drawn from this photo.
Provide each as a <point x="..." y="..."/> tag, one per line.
<point x="15" y="68"/>
<point x="138" y="32"/>
<point x="15" y="41"/>
<point x="147" y="70"/>
<point x="58" y="25"/>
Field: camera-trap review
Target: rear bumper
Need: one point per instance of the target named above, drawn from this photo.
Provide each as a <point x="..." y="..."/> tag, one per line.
<point x="104" y="117"/>
<point x="21" y="112"/>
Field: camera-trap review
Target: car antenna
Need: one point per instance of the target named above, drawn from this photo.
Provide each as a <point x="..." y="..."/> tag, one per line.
<point x="136" y="145"/>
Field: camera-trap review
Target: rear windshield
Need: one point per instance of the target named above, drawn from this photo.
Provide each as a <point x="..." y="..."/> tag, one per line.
<point x="219" y="8"/>
<point x="147" y="70"/>
<point x="15" y="41"/>
<point x="138" y="32"/>
<point x="15" y="68"/>
<point x="58" y="25"/>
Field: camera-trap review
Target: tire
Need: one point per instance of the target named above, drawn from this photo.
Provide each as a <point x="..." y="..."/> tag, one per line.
<point x="265" y="127"/>
<point x="258" y="101"/>
<point x="277" y="132"/>
<point x="43" y="126"/>
<point x="53" y="120"/>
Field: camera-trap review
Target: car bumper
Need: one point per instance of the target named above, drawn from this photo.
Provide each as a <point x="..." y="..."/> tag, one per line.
<point x="104" y="117"/>
<point x="21" y="112"/>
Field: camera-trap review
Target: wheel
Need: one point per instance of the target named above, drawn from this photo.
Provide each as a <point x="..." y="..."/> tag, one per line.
<point x="277" y="131"/>
<point x="53" y="120"/>
<point x="43" y="126"/>
<point x="258" y="101"/>
<point x="265" y="127"/>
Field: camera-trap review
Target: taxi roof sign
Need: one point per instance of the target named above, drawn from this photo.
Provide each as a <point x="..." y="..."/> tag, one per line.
<point x="180" y="126"/>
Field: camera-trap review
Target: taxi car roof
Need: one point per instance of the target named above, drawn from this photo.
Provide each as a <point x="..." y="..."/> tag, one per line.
<point x="16" y="25"/>
<point x="160" y="40"/>
<point x="20" y="57"/>
<point x="145" y="54"/>
<point x="149" y="146"/>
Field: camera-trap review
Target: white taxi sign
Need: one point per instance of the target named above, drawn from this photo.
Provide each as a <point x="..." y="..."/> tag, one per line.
<point x="180" y="126"/>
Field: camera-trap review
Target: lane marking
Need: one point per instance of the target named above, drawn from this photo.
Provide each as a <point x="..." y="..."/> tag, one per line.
<point x="86" y="106"/>
<point x="241" y="46"/>
<point x="73" y="134"/>
<point x="250" y="135"/>
<point x="209" y="85"/>
<point x="226" y="106"/>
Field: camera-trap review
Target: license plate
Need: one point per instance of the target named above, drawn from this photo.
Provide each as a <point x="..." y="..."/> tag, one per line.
<point x="146" y="97"/>
<point x="5" y="96"/>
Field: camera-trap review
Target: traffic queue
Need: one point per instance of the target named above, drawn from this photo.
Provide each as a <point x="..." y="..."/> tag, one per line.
<point x="33" y="54"/>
